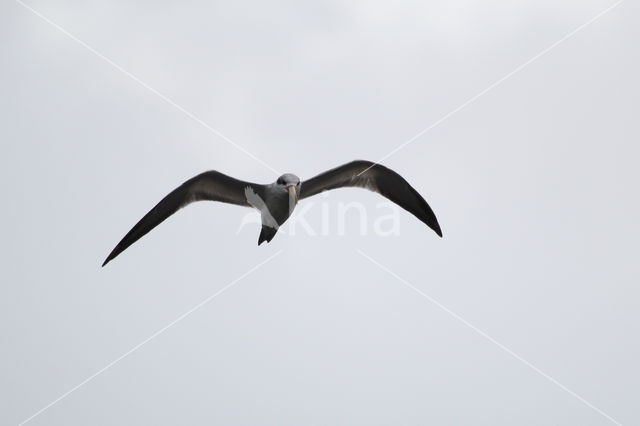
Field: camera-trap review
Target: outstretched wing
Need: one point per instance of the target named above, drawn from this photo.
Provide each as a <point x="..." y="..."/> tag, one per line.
<point x="377" y="178"/>
<point x="212" y="185"/>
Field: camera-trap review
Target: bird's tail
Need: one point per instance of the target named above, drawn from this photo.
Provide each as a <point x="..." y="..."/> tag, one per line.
<point x="267" y="234"/>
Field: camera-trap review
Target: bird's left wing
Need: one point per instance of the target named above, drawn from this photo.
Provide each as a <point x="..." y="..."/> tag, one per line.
<point x="211" y="185"/>
<point x="377" y="178"/>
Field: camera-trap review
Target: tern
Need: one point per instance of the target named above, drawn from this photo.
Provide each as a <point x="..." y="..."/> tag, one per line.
<point x="276" y="200"/>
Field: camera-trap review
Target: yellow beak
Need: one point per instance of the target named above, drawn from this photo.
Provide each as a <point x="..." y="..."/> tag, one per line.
<point x="292" y="192"/>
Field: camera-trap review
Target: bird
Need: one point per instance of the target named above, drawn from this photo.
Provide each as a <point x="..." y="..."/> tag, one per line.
<point x="276" y="201"/>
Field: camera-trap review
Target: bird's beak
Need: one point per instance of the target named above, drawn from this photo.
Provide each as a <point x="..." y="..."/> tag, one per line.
<point x="292" y="192"/>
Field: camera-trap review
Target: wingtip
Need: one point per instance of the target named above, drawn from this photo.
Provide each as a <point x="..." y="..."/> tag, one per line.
<point x="108" y="259"/>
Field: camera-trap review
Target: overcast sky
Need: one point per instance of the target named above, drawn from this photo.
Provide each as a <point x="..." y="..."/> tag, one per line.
<point x="535" y="184"/>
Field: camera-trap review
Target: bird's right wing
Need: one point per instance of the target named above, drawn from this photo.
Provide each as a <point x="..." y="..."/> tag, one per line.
<point x="212" y="185"/>
<point x="377" y="178"/>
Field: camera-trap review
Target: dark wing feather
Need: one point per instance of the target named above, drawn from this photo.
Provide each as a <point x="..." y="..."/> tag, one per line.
<point x="377" y="178"/>
<point x="212" y="185"/>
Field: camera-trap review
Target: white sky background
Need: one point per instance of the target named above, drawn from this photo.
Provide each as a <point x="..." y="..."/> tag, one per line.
<point x="534" y="184"/>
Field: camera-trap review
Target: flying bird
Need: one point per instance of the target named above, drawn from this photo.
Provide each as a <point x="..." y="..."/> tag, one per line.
<point x="276" y="201"/>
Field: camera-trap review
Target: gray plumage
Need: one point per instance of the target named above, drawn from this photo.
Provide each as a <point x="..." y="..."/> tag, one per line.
<point x="276" y="201"/>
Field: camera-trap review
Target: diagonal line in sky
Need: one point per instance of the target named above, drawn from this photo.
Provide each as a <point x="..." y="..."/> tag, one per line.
<point x="489" y="338"/>
<point x="148" y="339"/>
<point x="495" y="84"/>
<point x="145" y="85"/>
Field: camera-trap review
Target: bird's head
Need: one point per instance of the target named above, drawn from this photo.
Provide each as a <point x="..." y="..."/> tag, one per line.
<point x="290" y="183"/>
